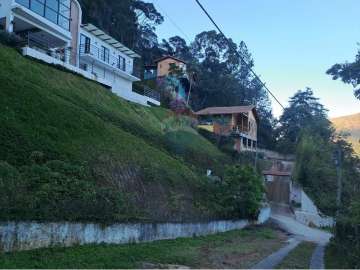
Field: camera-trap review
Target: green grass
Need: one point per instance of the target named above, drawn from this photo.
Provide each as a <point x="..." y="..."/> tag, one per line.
<point x="235" y="249"/>
<point x="124" y="145"/>
<point x="299" y="258"/>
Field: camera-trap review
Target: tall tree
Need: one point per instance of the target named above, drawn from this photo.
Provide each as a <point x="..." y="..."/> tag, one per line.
<point x="349" y="73"/>
<point x="304" y="113"/>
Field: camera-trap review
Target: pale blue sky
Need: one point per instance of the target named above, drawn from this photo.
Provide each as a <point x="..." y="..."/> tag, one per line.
<point x="293" y="42"/>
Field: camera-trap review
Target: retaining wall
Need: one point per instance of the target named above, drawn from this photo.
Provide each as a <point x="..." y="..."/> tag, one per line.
<point x="15" y="236"/>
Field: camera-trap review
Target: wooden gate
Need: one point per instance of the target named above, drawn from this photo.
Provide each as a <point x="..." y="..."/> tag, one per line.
<point x="278" y="190"/>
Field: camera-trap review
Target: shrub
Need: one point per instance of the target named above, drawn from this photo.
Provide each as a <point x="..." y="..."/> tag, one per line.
<point x="11" y="39"/>
<point x="238" y="195"/>
<point x="55" y="191"/>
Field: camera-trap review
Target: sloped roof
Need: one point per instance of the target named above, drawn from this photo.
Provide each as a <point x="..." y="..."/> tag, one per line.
<point x="109" y="40"/>
<point x="276" y="173"/>
<point x="169" y="56"/>
<point x="228" y="110"/>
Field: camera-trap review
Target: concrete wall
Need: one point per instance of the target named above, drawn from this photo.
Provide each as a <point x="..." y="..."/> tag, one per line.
<point x="31" y="235"/>
<point x="308" y="213"/>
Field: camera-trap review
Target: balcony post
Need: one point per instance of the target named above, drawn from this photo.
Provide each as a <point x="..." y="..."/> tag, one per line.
<point x="67" y="52"/>
<point x="9" y="23"/>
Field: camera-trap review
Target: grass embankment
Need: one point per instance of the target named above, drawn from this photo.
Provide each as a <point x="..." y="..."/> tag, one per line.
<point x="154" y="160"/>
<point x="235" y="249"/>
<point x="299" y="258"/>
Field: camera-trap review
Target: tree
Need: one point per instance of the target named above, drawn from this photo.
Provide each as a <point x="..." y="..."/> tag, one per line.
<point x="349" y="73"/>
<point x="304" y="113"/>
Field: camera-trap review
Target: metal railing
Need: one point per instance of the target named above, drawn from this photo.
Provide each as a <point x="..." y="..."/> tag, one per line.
<point x="101" y="55"/>
<point x="64" y="54"/>
<point x="147" y="91"/>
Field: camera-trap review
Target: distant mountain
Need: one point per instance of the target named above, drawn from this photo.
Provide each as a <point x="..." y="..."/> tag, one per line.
<point x="351" y="124"/>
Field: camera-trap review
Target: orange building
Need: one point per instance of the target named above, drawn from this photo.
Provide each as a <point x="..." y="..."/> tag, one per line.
<point x="240" y="122"/>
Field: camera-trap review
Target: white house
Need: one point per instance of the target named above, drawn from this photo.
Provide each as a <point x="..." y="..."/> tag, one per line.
<point x="54" y="34"/>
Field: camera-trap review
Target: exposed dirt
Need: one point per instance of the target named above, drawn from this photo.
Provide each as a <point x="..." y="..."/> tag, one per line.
<point x="241" y="252"/>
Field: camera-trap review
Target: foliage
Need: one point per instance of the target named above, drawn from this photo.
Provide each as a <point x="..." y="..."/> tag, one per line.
<point x="238" y="195"/>
<point x="316" y="172"/>
<point x="349" y="73"/>
<point x="304" y="113"/>
<point x="10" y="39"/>
<point x="123" y="146"/>
<point x="53" y="191"/>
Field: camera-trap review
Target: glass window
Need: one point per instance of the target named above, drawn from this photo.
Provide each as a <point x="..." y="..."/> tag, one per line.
<point x="122" y="63"/>
<point x="64" y="11"/>
<point x="53" y="4"/>
<point x="65" y="3"/>
<point x="25" y="3"/>
<point x="84" y="44"/>
<point x="38" y="6"/>
<point x="105" y="54"/>
<point x="64" y="22"/>
<point x="51" y="15"/>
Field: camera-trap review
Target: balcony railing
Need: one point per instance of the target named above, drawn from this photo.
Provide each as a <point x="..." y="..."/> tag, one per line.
<point x="104" y="57"/>
<point x="146" y="91"/>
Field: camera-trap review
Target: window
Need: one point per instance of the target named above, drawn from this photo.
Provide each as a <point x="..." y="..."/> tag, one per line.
<point x="85" y="44"/>
<point x="244" y="142"/>
<point x="254" y="144"/>
<point x="122" y="63"/>
<point x="56" y="11"/>
<point x="249" y="143"/>
<point x="38" y="6"/>
<point x="105" y="54"/>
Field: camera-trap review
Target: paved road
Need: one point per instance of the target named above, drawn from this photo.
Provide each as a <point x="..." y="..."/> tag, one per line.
<point x="317" y="259"/>
<point x="276" y="258"/>
<point x="285" y="220"/>
<point x="301" y="231"/>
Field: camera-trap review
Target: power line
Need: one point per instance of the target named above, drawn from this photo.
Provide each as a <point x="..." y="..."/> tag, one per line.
<point x="173" y="23"/>
<point x="240" y="56"/>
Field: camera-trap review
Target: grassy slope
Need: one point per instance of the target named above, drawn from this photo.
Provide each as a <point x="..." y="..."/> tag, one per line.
<point x="350" y="124"/>
<point x="124" y="145"/>
<point x="235" y="249"/>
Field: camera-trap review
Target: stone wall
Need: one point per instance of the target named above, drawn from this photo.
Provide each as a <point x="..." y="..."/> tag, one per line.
<point x="15" y="236"/>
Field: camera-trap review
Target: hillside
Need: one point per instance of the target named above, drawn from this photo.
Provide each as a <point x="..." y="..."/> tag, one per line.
<point x="350" y="124"/>
<point x="57" y="127"/>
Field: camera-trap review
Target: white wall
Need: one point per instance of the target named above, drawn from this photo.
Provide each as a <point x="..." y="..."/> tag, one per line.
<point x="308" y="213"/>
<point x="113" y="52"/>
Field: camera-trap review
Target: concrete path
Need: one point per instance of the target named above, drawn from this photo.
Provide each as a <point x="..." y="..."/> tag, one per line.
<point x="276" y="258"/>
<point x="301" y="231"/>
<point x="317" y="259"/>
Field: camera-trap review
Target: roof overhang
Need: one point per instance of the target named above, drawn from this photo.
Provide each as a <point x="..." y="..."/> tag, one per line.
<point x="109" y="40"/>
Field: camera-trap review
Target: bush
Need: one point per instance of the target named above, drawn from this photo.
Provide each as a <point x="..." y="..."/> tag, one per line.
<point x="238" y="195"/>
<point x="55" y="191"/>
<point x="10" y="39"/>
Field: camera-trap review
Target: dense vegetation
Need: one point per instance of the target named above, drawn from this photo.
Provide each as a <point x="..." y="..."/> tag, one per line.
<point x="69" y="147"/>
<point x="346" y="244"/>
<point x="327" y="168"/>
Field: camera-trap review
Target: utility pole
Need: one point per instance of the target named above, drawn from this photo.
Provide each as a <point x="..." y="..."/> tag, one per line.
<point x="338" y="163"/>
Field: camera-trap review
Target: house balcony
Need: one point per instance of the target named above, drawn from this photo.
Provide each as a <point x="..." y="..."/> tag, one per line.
<point x="42" y="15"/>
<point x="93" y="54"/>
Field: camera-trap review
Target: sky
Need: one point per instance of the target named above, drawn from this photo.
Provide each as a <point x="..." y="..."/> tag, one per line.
<point x="293" y="42"/>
